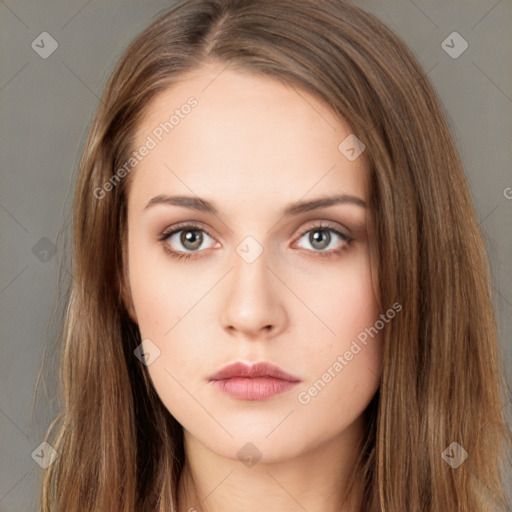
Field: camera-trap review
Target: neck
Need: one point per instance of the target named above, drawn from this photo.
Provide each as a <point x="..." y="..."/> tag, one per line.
<point x="316" y="480"/>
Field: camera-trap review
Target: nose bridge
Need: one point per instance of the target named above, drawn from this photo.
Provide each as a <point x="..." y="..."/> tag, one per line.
<point x="250" y="280"/>
<point x="251" y="300"/>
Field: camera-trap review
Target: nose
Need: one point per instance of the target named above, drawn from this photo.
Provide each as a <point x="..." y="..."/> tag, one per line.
<point x="252" y="302"/>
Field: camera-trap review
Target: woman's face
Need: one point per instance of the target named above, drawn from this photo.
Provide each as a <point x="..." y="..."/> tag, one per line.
<point x="260" y="278"/>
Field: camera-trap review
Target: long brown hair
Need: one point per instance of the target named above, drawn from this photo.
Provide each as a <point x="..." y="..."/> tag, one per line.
<point x="442" y="383"/>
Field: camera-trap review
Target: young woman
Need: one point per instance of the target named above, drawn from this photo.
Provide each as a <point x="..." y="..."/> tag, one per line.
<point x="280" y="299"/>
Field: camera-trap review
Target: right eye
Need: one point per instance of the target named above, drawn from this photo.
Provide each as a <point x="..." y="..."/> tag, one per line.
<point x="189" y="236"/>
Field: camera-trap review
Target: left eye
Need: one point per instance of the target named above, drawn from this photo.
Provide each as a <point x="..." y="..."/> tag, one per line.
<point x="321" y="237"/>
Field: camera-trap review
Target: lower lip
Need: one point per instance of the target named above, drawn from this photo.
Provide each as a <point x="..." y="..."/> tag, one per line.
<point x="257" y="388"/>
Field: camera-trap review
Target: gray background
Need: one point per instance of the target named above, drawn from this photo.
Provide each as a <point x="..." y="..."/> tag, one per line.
<point x="46" y="106"/>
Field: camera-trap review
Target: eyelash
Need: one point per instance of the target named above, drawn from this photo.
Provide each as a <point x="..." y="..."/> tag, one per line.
<point x="179" y="255"/>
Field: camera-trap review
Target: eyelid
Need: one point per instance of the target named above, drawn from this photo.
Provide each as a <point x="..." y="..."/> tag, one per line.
<point x="325" y="224"/>
<point x="167" y="232"/>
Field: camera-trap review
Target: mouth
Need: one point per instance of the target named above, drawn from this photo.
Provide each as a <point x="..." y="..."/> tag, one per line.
<point x="253" y="382"/>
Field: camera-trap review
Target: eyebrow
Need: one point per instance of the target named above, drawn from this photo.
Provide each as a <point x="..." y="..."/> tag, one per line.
<point x="202" y="205"/>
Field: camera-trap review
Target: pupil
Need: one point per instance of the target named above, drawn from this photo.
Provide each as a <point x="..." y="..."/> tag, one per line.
<point x="192" y="237"/>
<point x="323" y="234"/>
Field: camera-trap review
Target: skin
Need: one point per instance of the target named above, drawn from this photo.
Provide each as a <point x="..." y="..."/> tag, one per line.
<point x="252" y="146"/>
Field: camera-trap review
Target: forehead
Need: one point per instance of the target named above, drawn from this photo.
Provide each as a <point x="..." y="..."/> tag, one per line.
<point x="228" y="134"/>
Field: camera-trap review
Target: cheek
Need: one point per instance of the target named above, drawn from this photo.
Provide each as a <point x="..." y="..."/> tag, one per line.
<point x="158" y="292"/>
<point x="344" y="363"/>
<point x="343" y="300"/>
<point x="169" y="311"/>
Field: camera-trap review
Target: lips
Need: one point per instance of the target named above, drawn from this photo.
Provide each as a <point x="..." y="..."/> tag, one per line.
<point x="253" y="382"/>
<point x="263" y="369"/>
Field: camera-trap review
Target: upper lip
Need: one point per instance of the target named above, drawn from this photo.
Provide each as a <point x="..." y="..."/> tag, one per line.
<point x="262" y="369"/>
